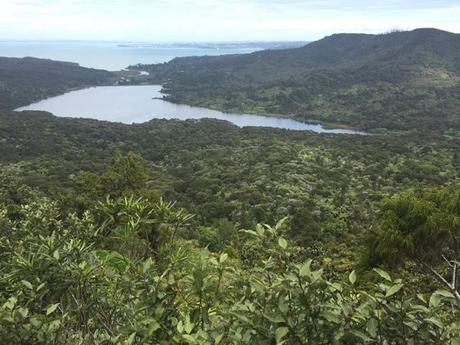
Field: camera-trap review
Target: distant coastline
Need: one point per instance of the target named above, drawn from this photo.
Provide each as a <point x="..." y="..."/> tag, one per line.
<point x="218" y="45"/>
<point x="115" y="56"/>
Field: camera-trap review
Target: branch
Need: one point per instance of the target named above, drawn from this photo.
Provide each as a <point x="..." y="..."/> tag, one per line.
<point x="448" y="261"/>
<point x="454" y="276"/>
<point x="438" y="276"/>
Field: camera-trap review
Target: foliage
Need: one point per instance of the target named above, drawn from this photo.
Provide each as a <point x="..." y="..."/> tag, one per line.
<point x="27" y="80"/>
<point x="329" y="186"/>
<point x="397" y="81"/>
<point x="91" y="251"/>
<point x="103" y="259"/>
<point x="62" y="284"/>
<point x="424" y="229"/>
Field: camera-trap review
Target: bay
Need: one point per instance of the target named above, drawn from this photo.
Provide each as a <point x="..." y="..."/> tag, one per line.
<point x="114" y="56"/>
<point x="141" y="103"/>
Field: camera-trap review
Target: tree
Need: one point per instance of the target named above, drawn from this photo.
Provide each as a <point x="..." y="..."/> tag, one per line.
<point x="127" y="173"/>
<point x="138" y="227"/>
<point x="421" y="229"/>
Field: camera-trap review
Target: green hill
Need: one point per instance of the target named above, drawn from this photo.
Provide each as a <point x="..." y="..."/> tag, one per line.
<point x="23" y="81"/>
<point x="399" y="80"/>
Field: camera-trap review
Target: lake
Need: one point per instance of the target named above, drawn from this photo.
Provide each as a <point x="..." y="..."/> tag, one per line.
<point x="112" y="56"/>
<point x="138" y="104"/>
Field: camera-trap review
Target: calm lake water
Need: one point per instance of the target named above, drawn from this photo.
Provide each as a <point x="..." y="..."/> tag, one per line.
<point x="112" y="56"/>
<point x="138" y="104"/>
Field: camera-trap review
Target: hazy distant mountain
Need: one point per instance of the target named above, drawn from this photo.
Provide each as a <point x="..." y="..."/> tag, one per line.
<point x="399" y="80"/>
<point x="220" y="45"/>
<point x="23" y="81"/>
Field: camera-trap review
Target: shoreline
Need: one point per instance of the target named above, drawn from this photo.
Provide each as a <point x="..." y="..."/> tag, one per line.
<point x="191" y="112"/>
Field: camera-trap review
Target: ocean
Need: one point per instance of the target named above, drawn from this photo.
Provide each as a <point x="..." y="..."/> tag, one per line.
<point x="114" y="56"/>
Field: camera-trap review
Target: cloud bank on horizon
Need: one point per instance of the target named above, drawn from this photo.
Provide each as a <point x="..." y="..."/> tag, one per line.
<point x="217" y="20"/>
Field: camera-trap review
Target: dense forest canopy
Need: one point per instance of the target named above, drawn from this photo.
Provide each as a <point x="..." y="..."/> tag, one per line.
<point x="400" y="80"/>
<point x="95" y="251"/>
<point x="201" y="232"/>
<point x="27" y="80"/>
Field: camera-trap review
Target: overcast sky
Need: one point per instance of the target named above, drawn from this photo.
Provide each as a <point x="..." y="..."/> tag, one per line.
<point x="217" y="20"/>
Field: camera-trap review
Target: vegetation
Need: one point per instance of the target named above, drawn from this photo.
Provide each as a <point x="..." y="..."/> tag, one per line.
<point x="329" y="184"/>
<point x="200" y="232"/>
<point x="94" y="252"/>
<point x="27" y="80"/>
<point x="398" y="81"/>
<point x="424" y="229"/>
<point x="118" y="274"/>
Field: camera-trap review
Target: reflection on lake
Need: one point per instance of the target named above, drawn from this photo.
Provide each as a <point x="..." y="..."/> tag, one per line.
<point x="137" y="104"/>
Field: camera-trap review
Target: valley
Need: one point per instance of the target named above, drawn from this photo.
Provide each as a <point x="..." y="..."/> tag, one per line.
<point x="133" y="216"/>
<point x="397" y="81"/>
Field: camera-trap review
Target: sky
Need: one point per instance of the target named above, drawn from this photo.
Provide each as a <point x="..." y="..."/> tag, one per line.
<point x="217" y="20"/>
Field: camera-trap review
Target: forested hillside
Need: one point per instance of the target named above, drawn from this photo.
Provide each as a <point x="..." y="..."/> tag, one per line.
<point x="200" y="232"/>
<point x="276" y="236"/>
<point x="400" y="80"/>
<point x="27" y="80"/>
<point x="221" y="171"/>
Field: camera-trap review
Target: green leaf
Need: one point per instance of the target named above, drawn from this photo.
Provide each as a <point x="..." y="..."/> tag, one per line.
<point x="305" y="269"/>
<point x="435" y="322"/>
<point x="190" y="339"/>
<point x="218" y="338"/>
<point x="147" y="265"/>
<point x="131" y="338"/>
<point x="280" y="333"/>
<point x="35" y="322"/>
<point x="56" y="254"/>
<point x="51" y="309"/>
<point x="335" y="286"/>
<point x="282" y="305"/>
<point x="54" y="326"/>
<point x="23" y="311"/>
<point x="10" y="303"/>
<point x="275" y="318"/>
<point x="421" y="308"/>
<point x="361" y="335"/>
<point x="180" y="327"/>
<point x="280" y="223"/>
<point x="421" y="297"/>
<point x="435" y="300"/>
<point x="260" y="231"/>
<point x="250" y="232"/>
<point x="393" y="290"/>
<point x="282" y="243"/>
<point x="223" y="258"/>
<point x="153" y="327"/>
<point x="188" y="326"/>
<point x="27" y="284"/>
<point x="372" y="326"/>
<point x="330" y="316"/>
<point x="257" y="285"/>
<point x="383" y="274"/>
<point x="352" y="277"/>
<point x="445" y="293"/>
<point x="241" y="317"/>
